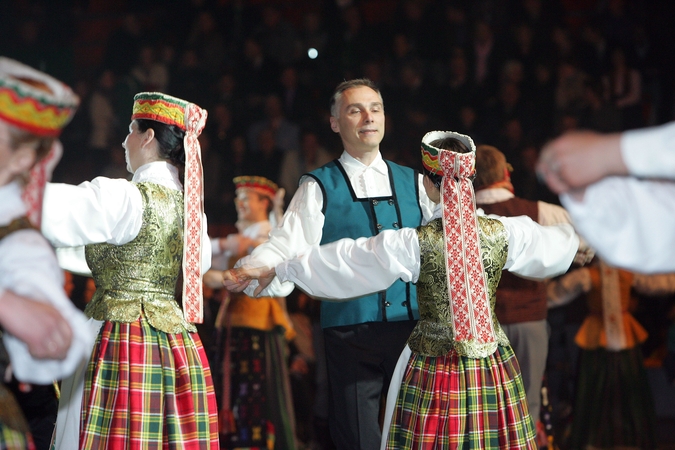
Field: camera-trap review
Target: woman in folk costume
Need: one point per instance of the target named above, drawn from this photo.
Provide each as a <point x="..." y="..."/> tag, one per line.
<point x="44" y="334"/>
<point x="256" y="402"/>
<point x="148" y="383"/>
<point x="614" y="406"/>
<point x="457" y="383"/>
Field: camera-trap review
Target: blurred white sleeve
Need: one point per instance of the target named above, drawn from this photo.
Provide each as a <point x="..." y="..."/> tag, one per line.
<point x="29" y="268"/>
<point x="629" y="222"/>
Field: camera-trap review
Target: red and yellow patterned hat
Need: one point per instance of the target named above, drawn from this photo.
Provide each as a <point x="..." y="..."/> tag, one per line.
<point x="431" y="155"/>
<point x="159" y="107"/>
<point x="259" y="184"/>
<point x="34" y="101"/>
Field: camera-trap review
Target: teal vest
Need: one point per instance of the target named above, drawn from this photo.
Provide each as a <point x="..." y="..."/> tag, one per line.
<point x="349" y="217"/>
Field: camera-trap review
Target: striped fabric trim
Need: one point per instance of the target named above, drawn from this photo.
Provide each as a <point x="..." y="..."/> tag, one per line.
<point x="31" y="114"/>
<point x="430" y="159"/>
<point x="159" y="107"/>
<point x="14" y="440"/>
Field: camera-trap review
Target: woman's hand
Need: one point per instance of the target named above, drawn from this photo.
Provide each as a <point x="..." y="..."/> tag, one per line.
<point x="236" y="280"/>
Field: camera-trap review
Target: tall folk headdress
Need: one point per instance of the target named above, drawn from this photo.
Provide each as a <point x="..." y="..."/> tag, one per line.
<point x="191" y="119"/>
<point x="34" y="101"/>
<point x="467" y="284"/>
<point x="40" y="105"/>
<point x="261" y="185"/>
<point x="267" y="188"/>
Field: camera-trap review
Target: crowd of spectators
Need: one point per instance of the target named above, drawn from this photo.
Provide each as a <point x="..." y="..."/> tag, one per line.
<point x="510" y="73"/>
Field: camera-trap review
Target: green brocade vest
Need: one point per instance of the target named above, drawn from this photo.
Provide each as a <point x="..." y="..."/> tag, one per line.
<point x="433" y="335"/>
<point x="140" y="276"/>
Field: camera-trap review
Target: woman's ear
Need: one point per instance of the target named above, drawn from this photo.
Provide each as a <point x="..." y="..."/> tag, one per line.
<point x="148" y="136"/>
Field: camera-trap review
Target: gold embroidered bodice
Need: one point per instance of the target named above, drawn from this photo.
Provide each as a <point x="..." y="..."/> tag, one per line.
<point x="433" y="335"/>
<point x="140" y="276"/>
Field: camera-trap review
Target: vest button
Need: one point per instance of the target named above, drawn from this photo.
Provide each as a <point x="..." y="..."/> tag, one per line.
<point x="379" y="226"/>
<point x="404" y="303"/>
<point x="391" y="202"/>
<point x="387" y="304"/>
<point x="395" y="224"/>
<point x="375" y="202"/>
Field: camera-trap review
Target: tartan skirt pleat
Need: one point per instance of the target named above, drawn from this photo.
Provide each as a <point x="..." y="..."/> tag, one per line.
<point x="14" y="440"/>
<point x="456" y="402"/>
<point x="614" y="404"/>
<point x="146" y="389"/>
<point x="14" y="431"/>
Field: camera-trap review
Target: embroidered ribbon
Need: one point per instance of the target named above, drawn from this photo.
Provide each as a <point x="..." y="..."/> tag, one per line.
<point x="38" y="177"/>
<point x="611" y="307"/>
<point x="467" y="286"/>
<point x="195" y="120"/>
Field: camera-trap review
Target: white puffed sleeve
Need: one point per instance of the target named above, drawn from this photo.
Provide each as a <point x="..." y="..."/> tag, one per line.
<point x="349" y="268"/>
<point x="536" y="251"/>
<point x="101" y="210"/>
<point x="28" y="267"/>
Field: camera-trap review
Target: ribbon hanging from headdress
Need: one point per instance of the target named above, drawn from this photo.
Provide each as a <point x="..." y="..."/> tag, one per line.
<point x="192" y="119"/>
<point x="467" y="284"/>
<point x="39" y="176"/>
<point x="193" y="297"/>
<point x="612" y="313"/>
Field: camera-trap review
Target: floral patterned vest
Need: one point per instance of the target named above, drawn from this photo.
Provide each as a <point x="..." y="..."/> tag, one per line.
<point x="140" y="277"/>
<point x="433" y="335"/>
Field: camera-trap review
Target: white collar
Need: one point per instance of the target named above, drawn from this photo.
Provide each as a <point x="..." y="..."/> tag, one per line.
<point x="353" y="165"/>
<point x="493" y="195"/>
<point x="160" y="172"/>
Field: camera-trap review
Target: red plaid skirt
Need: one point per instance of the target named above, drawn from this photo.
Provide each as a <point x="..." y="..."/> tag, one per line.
<point x="146" y="389"/>
<point x="453" y="401"/>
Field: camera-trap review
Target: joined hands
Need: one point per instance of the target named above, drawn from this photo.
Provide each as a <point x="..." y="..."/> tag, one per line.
<point x="238" y="279"/>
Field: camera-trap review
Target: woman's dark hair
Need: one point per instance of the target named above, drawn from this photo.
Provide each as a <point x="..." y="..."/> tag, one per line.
<point x="447" y="143"/>
<point x="169" y="138"/>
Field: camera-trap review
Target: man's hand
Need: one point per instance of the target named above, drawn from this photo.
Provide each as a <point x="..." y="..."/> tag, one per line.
<point x="236" y="280"/>
<point x="233" y="282"/>
<point x="39" y="325"/>
<point x="575" y="160"/>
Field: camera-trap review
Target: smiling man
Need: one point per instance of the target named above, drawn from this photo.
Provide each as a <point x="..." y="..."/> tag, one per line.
<point x="356" y="195"/>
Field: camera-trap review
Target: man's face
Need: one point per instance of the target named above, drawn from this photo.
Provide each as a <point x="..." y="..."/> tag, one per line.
<point x="361" y="120"/>
<point x="251" y="206"/>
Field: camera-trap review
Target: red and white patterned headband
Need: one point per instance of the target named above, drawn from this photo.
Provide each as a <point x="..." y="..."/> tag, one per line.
<point x="467" y="284"/>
